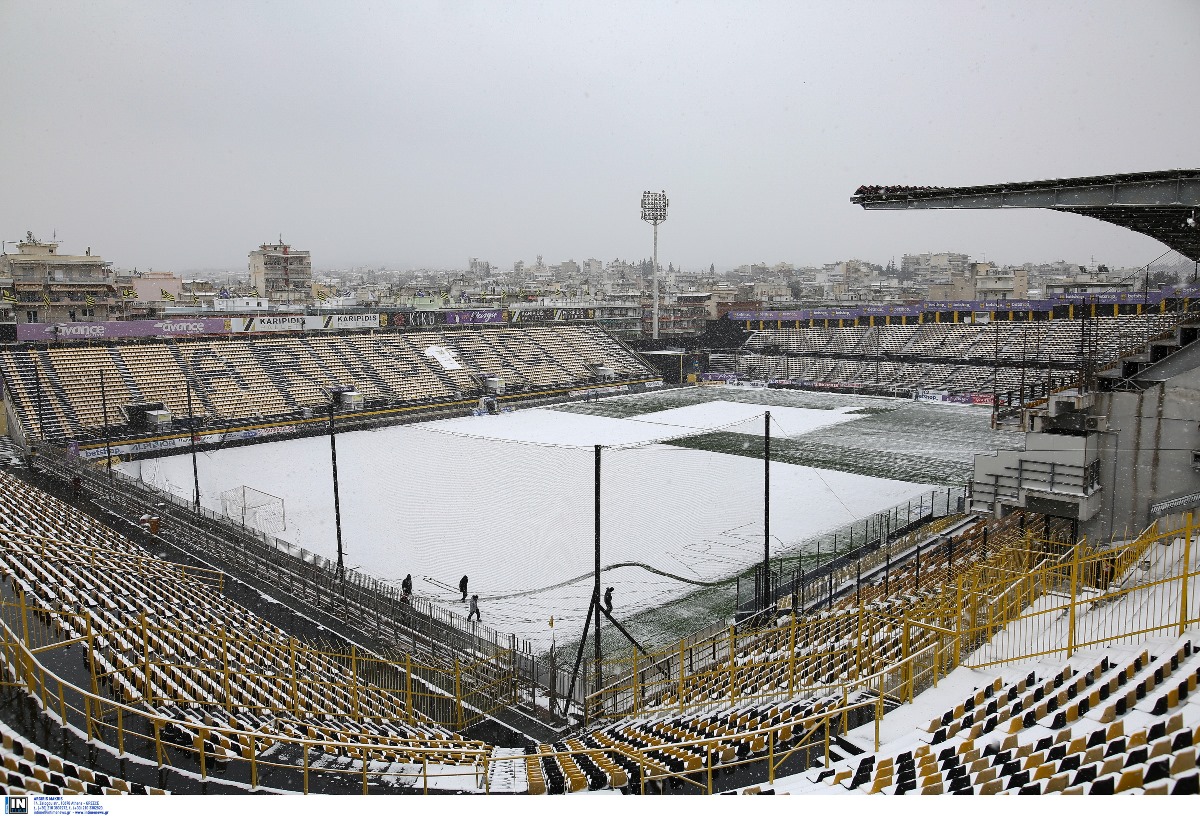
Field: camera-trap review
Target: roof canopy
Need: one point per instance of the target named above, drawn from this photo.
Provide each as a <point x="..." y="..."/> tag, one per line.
<point x="1158" y="204"/>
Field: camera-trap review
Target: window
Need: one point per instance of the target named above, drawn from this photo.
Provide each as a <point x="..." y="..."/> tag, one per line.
<point x="31" y="316"/>
<point x="71" y="315"/>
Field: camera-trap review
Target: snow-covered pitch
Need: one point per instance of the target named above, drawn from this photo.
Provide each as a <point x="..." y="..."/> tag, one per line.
<point x="509" y="501"/>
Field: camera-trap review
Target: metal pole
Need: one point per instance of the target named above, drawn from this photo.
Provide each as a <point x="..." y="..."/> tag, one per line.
<point x="104" y="408"/>
<point x="37" y="374"/>
<point x="192" y="430"/>
<point x="766" y="509"/>
<point x="1021" y="406"/>
<point x="995" y="371"/>
<point x="598" y="673"/>
<point x="587" y="624"/>
<point x="655" y="280"/>
<point x="337" y="507"/>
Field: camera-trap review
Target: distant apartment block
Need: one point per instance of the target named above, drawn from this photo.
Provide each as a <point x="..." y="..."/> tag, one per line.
<point x="40" y="285"/>
<point x="281" y="274"/>
<point x="982" y="281"/>
<point x="933" y="264"/>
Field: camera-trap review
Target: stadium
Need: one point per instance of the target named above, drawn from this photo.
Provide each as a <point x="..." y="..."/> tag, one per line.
<point x="938" y="548"/>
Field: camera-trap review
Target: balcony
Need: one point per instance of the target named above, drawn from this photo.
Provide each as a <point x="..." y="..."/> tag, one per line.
<point x="1056" y="474"/>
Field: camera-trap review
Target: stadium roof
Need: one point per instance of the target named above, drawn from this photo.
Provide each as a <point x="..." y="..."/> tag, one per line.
<point x="1158" y="204"/>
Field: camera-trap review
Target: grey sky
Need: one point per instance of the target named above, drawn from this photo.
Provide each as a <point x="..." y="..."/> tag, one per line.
<point x="182" y="135"/>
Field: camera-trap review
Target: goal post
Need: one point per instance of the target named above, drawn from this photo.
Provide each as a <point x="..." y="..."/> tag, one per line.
<point x="255" y="509"/>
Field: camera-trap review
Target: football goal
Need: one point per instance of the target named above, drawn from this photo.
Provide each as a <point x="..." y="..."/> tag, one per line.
<point x="255" y="509"/>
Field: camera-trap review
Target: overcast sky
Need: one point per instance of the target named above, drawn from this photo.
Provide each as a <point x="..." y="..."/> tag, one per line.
<point x="182" y="135"/>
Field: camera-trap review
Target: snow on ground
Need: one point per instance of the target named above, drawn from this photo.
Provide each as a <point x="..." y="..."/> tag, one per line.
<point x="1148" y="605"/>
<point x="545" y="427"/>
<point x="441" y="499"/>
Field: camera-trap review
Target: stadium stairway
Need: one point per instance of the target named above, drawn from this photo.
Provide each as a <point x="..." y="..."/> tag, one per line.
<point x="200" y="394"/>
<point x="511" y="726"/>
<point x="54" y="385"/>
<point x="126" y="375"/>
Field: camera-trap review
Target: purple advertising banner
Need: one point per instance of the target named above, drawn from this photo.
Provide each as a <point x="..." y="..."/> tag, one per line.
<point x="574" y="313"/>
<point x="1045" y="305"/>
<point x="415" y="319"/>
<point x="1017" y="305"/>
<point x="475" y="317"/>
<point x="531" y="315"/>
<point x="170" y="327"/>
<point x="792" y="315"/>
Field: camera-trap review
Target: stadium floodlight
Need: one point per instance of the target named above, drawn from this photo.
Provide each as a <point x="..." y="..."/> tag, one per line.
<point x="654" y="210"/>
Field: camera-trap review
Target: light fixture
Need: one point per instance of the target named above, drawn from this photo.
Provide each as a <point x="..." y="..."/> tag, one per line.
<point x="654" y="210"/>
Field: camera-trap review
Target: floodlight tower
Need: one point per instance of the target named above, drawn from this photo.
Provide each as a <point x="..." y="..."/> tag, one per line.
<point x="654" y="210"/>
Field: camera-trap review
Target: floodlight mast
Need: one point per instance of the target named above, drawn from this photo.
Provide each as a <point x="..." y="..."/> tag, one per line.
<point x="654" y="210"/>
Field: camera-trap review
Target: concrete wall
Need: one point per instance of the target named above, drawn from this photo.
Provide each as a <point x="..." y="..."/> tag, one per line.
<point x="1146" y="456"/>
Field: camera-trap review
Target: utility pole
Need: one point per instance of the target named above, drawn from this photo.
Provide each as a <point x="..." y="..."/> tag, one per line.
<point x="596" y="589"/>
<point x="337" y="507"/>
<point x="192" y="430"/>
<point x="107" y="443"/>
<point x="37" y="374"/>
<point x="766" y="586"/>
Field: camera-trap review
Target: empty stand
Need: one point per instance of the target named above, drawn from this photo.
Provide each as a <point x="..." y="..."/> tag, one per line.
<point x="252" y="378"/>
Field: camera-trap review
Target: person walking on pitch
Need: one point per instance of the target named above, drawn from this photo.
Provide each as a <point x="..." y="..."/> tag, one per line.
<point x="462" y="585"/>
<point x="474" y="613"/>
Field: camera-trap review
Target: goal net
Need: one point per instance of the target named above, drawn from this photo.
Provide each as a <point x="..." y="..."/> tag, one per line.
<point x="254" y="508"/>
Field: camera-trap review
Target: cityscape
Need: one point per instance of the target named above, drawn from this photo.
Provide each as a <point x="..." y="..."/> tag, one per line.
<point x="41" y="283"/>
<point x="359" y="436"/>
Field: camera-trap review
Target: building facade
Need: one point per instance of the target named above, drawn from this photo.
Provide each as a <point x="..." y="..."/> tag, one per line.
<point x="1112" y="459"/>
<point x="38" y="284"/>
<point x="281" y="274"/>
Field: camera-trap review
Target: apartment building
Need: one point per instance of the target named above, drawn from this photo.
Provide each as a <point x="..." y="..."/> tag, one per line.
<point x="38" y="284"/>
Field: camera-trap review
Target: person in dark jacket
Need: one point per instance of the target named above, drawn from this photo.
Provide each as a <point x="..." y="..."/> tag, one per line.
<point x="406" y="584"/>
<point x="462" y="585"/>
<point x="608" y="600"/>
<point x="474" y="613"/>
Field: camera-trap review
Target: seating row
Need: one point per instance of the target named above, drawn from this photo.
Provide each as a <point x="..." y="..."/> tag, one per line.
<point x="75" y="390"/>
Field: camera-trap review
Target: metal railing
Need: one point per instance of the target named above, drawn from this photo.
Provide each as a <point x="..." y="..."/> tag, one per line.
<point x="843" y="548"/>
<point x="275" y="761"/>
<point x="439" y="637"/>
